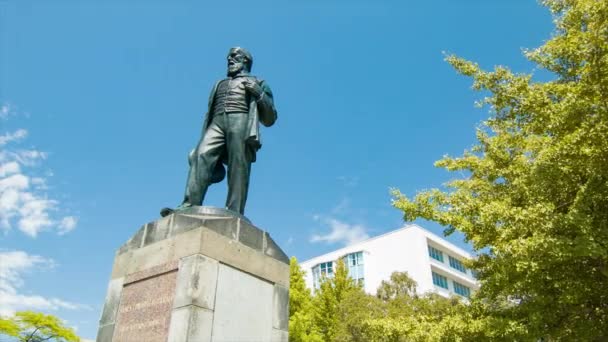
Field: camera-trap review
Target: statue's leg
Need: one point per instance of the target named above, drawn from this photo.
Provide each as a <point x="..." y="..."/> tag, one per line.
<point x="202" y="162"/>
<point x="239" y="165"/>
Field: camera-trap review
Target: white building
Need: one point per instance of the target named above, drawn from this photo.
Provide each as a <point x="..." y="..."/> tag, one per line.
<point x="434" y="263"/>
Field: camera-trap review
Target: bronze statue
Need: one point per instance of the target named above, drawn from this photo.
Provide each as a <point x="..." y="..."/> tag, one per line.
<point x="231" y="134"/>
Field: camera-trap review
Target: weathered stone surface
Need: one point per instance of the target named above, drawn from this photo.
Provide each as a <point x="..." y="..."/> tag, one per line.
<point x="280" y="310"/>
<point x="110" y="307"/>
<point x="279" y="336"/>
<point x="243" y="309"/>
<point x="191" y="324"/>
<point x="206" y="242"/>
<point x="201" y="325"/>
<point x="196" y="282"/>
<point x="222" y="225"/>
<point x="212" y="211"/>
<point x="273" y="250"/>
<point x="150" y="256"/>
<point x="105" y="333"/>
<point x="197" y="278"/>
<point x="184" y="223"/>
<point x="152" y="272"/>
<point x="121" y="264"/>
<point x="251" y="236"/>
<point x="158" y="230"/>
<point x="134" y="242"/>
<point x="224" y="222"/>
<point x="144" y="313"/>
<point x="243" y="257"/>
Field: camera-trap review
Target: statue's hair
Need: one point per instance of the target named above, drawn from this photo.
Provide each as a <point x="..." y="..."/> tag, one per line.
<point x="245" y="53"/>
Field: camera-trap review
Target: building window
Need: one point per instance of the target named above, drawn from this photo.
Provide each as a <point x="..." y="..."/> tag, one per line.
<point x="316" y="277"/>
<point x="354" y="262"/>
<point x="462" y="290"/>
<point x="323" y="269"/>
<point x="440" y="280"/>
<point x="435" y="254"/>
<point x="455" y="263"/>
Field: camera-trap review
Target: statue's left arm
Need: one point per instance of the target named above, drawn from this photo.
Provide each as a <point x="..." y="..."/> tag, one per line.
<point x="266" y="110"/>
<point x="267" y="113"/>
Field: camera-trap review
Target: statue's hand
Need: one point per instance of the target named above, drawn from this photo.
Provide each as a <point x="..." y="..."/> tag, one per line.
<point x="254" y="88"/>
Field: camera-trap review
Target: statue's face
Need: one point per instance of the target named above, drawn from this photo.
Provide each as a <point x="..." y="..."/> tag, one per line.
<point x="236" y="62"/>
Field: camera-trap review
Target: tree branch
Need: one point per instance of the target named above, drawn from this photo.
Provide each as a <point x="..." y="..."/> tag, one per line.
<point x="29" y="338"/>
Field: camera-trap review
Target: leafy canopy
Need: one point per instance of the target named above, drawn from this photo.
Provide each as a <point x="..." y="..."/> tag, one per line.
<point x="28" y="326"/>
<point x="301" y="315"/>
<point x="534" y="201"/>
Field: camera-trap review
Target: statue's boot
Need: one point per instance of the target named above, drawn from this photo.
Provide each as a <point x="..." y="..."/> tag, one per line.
<point x="168" y="211"/>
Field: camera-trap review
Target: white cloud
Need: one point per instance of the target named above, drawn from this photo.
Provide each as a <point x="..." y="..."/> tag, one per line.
<point x="9" y="168"/>
<point x="28" y="157"/>
<point x="340" y="232"/>
<point x="34" y="213"/>
<point x="13" y="265"/>
<point x="15" y="136"/>
<point x="5" y="110"/>
<point x="67" y="224"/>
<point x="24" y="204"/>
<point x="16" y="182"/>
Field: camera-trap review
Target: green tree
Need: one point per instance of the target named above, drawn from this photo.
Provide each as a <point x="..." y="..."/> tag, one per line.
<point x="8" y="327"/>
<point x="411" y="317"/>
<point x="400" y="284"/>
<point x="353" y="310"/>
<point x="28" y="326"/>
<point x="301" y="323"/>
<point x="534" y="196"/>
<point x="328" y="300"/>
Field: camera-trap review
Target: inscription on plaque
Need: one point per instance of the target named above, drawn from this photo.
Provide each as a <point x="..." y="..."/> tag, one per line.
<point x="144" y="313"/>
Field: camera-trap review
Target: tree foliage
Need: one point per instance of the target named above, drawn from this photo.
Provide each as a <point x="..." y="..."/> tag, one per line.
<point x="534" y="201"/>
<point x="301" y="323"/>
<point x="328" y="301"/>
<point x="399" y="285"/>
<point x="8" y="327"/>
<point x="28" y="326"/>
<point x="407" y="316"/>
<point x="342" y="312"/>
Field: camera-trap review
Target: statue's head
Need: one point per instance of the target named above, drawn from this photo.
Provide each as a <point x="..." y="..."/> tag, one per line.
<point x="239" y="60"/>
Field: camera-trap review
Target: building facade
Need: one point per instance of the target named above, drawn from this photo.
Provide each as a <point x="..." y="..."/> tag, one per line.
<point x="434" y="263"/>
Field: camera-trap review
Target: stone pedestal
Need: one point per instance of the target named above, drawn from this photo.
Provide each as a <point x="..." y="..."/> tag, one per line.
<point x="204" y="274"/>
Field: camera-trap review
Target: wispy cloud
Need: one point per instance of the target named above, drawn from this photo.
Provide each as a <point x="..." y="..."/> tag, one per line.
<point x="67" y="224"/>
<point x="13" y="265"/>
<point x="5" y="110"/>
<point x="339" y="232"/>
<point x="342" y="207"/>
<point x="24" y="204"/>
<point x="12" y="136"/>
<point x="349" y="181"/>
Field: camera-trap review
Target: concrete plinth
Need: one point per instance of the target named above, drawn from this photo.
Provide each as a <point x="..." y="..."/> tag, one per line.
<point x="201" y="275"/>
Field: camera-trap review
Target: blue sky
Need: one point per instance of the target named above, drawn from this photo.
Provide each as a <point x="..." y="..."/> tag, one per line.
<point x="100" y="102"/>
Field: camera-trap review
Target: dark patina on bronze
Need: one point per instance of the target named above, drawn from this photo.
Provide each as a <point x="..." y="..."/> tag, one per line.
<point x="231" y="134"/>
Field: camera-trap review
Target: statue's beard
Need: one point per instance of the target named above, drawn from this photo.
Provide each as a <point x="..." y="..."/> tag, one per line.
<point x="234" y="69"/>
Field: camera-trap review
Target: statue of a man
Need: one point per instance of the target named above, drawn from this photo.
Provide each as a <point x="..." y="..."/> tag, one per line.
<point x="230" y="135"/>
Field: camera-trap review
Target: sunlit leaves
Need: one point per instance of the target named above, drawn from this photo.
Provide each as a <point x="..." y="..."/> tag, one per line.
<point x="28" y="326"/>
<point x="532" y="194"/>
